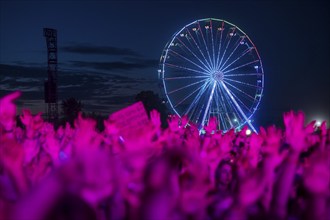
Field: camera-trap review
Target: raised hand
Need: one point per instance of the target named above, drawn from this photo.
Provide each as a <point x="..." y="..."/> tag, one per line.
<point x="254" y="150"/>
<point x="242" y="133"/>
<point x="37" y="121"/>
<point x="256" y="141"/>
<point x="110" y="128"/>
<point x="211" y="126"/>
<point x="8" y="111"/>
<point x="184" y="121"/>
<point x="295" y="132"/>
<point x="155" y="119"/>
<point x="273" y="141"/>
<point x="226" y="143"/>
<point x="310" y="128"/>
<point x="251" y="189"/>
<point x="97" y="173"/>
<point x="89" y="174"/>
<point x="52" y="146"/>
<point x="316" y="177"/>
<point x="26" y="117"/>
<point x="11" y="154"/>
<point x="173" y="123"/>
<point x="32" y="123"/>
<point x="273" y="138"/>
<point x="323" y="128"/>
<point x="86" y="136"/>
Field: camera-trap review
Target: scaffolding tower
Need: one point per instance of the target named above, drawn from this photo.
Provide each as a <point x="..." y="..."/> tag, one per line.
<point x="50" y="85"/>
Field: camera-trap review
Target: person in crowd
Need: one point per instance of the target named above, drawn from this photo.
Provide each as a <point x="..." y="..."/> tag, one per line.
<point x="176" y="173"/>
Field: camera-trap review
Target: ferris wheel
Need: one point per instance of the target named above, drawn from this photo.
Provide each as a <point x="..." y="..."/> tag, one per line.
<point x="211" y="68"/>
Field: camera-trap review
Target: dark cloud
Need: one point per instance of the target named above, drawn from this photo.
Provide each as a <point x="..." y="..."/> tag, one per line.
<point x="116" y="65"/>
<point x="29" y="64"/>
<point x="99" y="50"/>
<point x="100" y="92"/>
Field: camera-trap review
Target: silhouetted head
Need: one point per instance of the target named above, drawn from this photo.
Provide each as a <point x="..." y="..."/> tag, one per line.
<point x="71" y="207"/>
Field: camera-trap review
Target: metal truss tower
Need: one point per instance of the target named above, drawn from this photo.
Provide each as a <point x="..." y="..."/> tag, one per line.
<point x="50" y="85"/>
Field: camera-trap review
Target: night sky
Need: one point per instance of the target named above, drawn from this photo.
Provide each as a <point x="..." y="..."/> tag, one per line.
<point x="109" y="51"/>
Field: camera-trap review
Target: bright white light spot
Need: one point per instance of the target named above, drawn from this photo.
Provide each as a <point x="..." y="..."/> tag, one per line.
<point x="256" y="67"/>
<point x="248" y="132"/>
<point x="181" y="35"/>
<point x="235" y="119"/>
<point x="318" y="123"/>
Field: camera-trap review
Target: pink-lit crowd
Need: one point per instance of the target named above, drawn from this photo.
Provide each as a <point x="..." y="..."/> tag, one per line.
<point x="80" y="173"/>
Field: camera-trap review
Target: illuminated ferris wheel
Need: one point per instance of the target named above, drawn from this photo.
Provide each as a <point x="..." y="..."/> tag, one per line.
<point x="211" y="68"/>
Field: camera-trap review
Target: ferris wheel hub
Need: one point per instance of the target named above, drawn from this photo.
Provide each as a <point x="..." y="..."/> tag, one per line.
<point x="217" y="76"/>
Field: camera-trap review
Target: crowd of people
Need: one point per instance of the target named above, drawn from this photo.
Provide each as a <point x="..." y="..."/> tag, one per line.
<point x="80" y="173"/>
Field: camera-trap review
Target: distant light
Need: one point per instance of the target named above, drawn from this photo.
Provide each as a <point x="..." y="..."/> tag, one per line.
<point x="318" y="123"/>
<point x="248" y="132"/>
<point x="235" y="119"/>
<point x="256" y="67"/>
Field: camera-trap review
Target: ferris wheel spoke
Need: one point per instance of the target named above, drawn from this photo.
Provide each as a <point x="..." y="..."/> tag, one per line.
<point x="225" y="106"/>
<point x="199" y="49"/>
<point x="187" y="86"/>
<point x="230" y="108"/>
<point x="236" y="118"/>
<point x="217" y="113"/>
<point x="246" y="64"/>
<point x="243" y="83"/>
<point x="207" y="67"/>
<point x="213" y="49"/>
<point x="238" y="58"/>
<point x="185" y="98"/>
<point x="244" y="74"/>
<point x="209" y="103"/>
<point x="198" y="96"/>
<point x="224" y="53"/>
<point x="221" y="110"/>
<point x="241" y="102"/>
<point x="206" y="47"/>
<point x="220" y="43"/>
<point x="184" y="77"/>
<point x="236" y="88"/>
<point x="223" y="121"/>
<point x="238" y="107"/>
<point x="184" y="68"/>
<point x="238" y="43"/>
<point x="229" y="120"/>
<point x="185" y="58"/>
